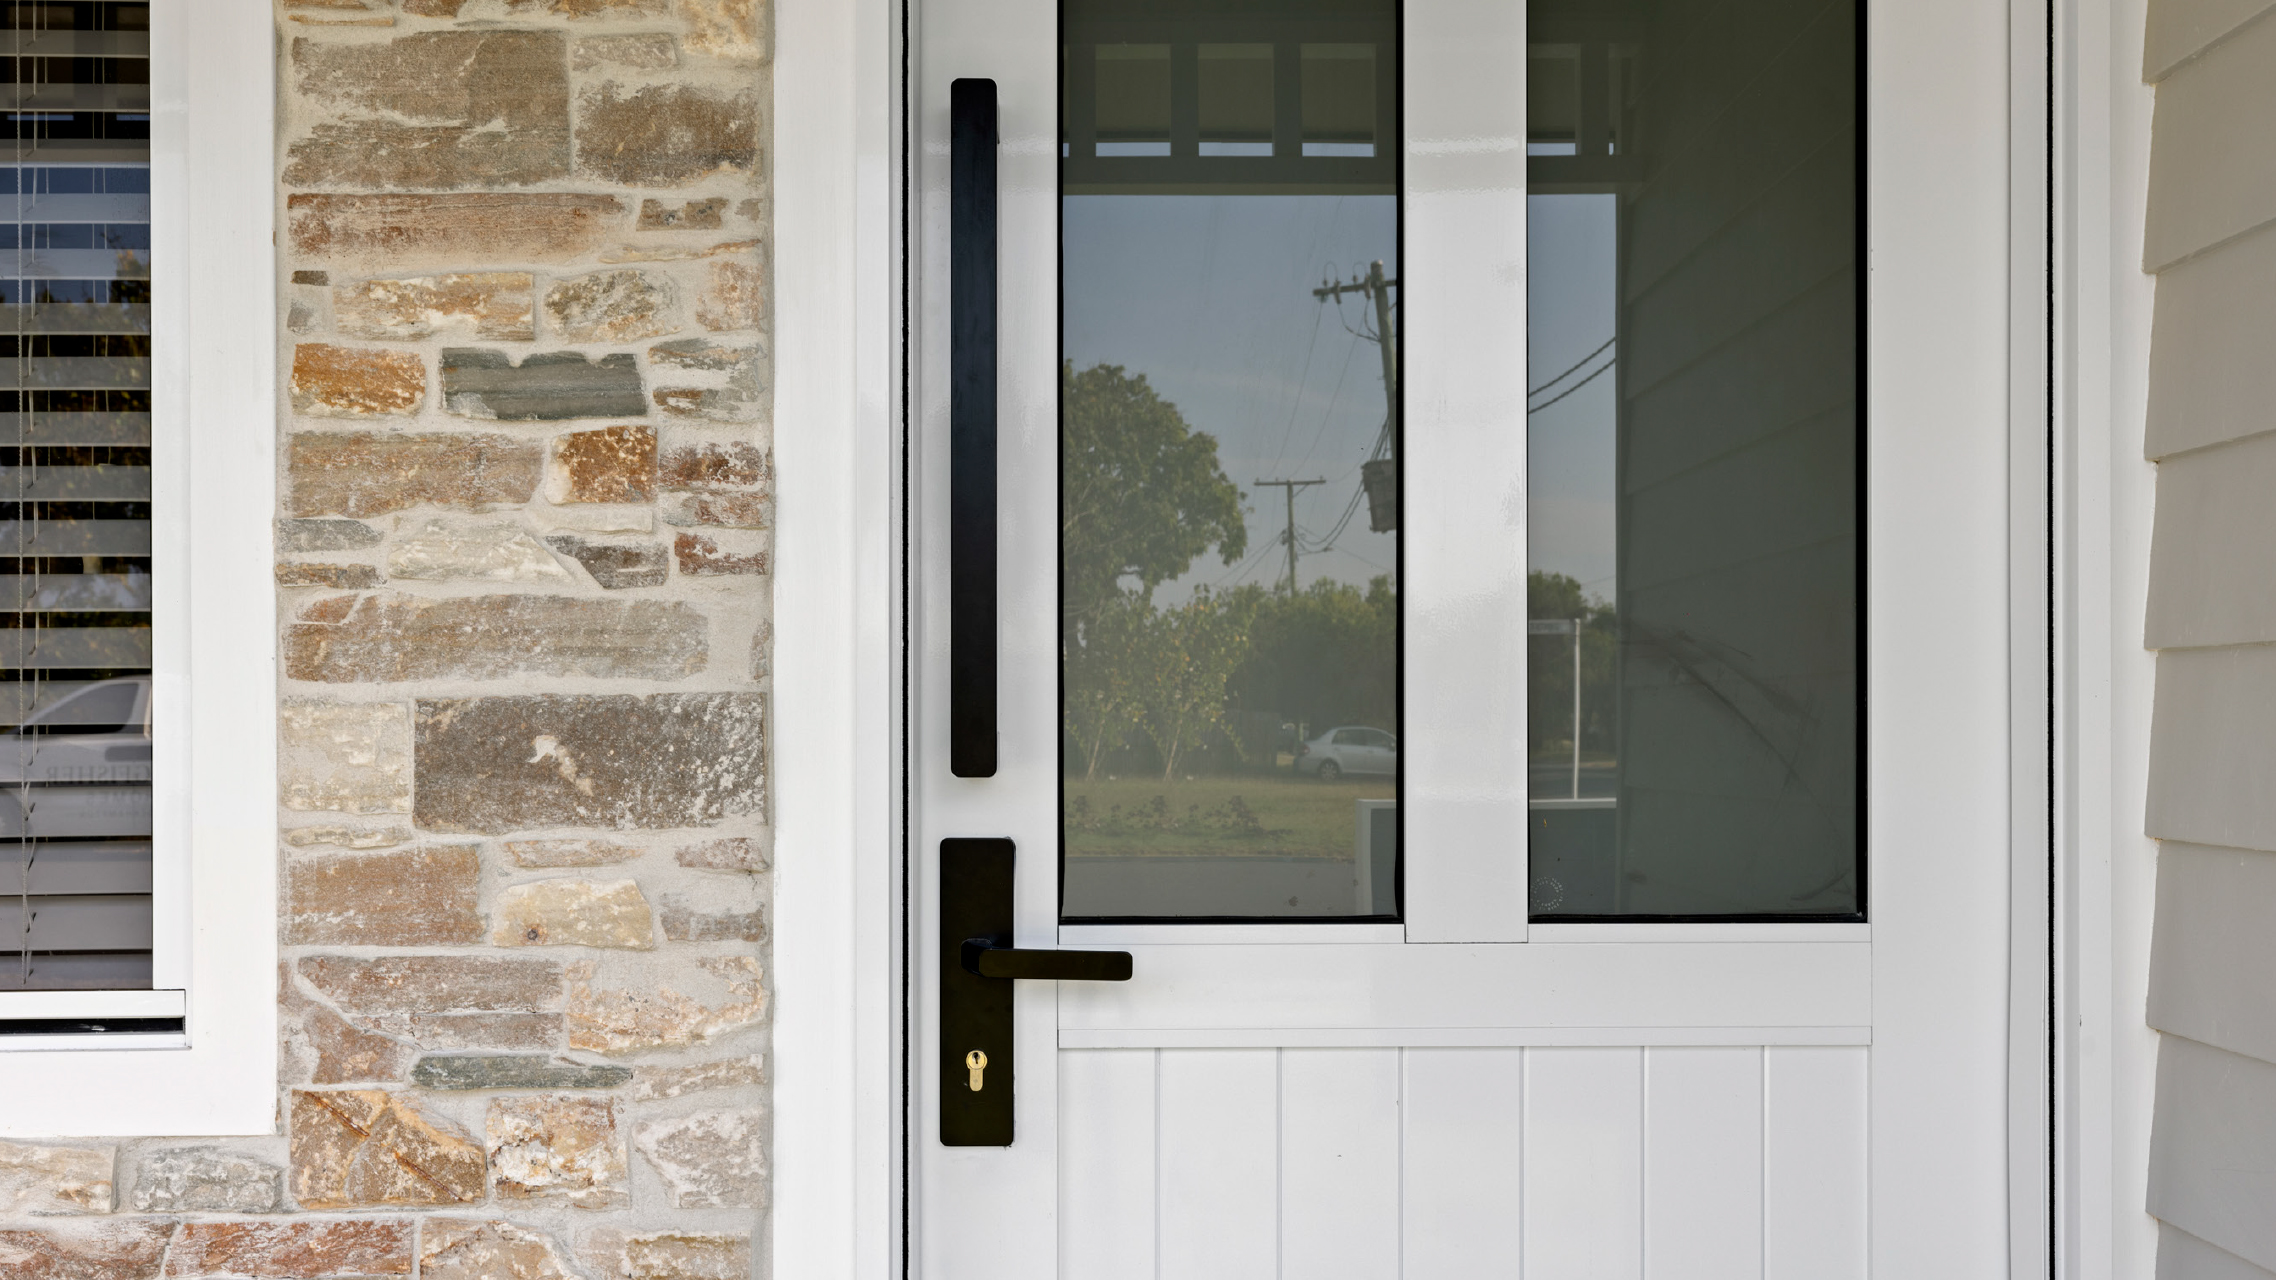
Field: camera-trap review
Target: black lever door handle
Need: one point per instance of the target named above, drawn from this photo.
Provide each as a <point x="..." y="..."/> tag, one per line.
<point x="984" y="958"/>
<point x="972" y="429"/>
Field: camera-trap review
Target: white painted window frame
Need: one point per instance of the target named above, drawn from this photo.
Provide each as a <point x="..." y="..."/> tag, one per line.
<point x="213" y="265"/>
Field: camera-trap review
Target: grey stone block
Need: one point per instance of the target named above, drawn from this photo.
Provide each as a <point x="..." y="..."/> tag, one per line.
<point x="616" y="565"/>
<point x="325" y="535"/>
<point x="206" y="1180"/>
<point x="547" y="387"/>
<point x="513" y="1071"/>
<point x="498" y="765"/>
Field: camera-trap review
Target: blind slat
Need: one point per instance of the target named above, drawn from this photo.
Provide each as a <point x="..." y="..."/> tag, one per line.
<point x="106" y="922"/>
<point x="76" y="97"/>
<point x="124" y="207"/>
<point x="74" y="648"/>
<point x="74" y="538"/>
<point x="84" y="44"/>
<point x="91" y="866"/>
<point x="99" y="483"/>
<point x="76" y="264"/>
<point x="78" y="971"/>
<point x="79" y="373"/>
<point x="124" y="592"/>
<point x="74" y="428"/>
<point x="63" y="813"/>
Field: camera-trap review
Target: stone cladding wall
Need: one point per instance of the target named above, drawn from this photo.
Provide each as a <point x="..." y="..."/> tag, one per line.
<point x="523" y="594"/>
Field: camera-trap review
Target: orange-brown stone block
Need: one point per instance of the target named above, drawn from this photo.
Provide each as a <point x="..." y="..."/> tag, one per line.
<point x="558" y="1146"/>
<point x="733" y="297"/>
<point x="350" y="382"/>
<point x="665" y="135"/>
<point x="714" y="468"/>
<point x="701" y="557"/>
<point x="292" y="1250"/>
<point x="367" y="474"/>
<point x="362" y="639"/>
<point x="719" y="511"/>
<point x="340" y="577"/>
<point x="434" y="984"/>
<point x="669" y="1255"/>
<point x="354" y="1147"/>
<point x="433" y="111"/>
<point x="736" y="853"/>
<point x="496" y="305"/>
<point x="396" y="231"/>
<point x="691" y="215"/>
<point x="622" y="1021"/>
<point x="408" y="898"/>
<point x="133" y="1250"/>
<point x="468" y="1249"/>
<point x="615" y="464"/>
<point x="611" y="306"/>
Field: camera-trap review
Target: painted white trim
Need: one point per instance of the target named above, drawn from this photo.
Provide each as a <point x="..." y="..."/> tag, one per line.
<point x="836" y="754"/>
<point x="89" y="1004"/>
<point x="107" y="1042"/>
<point x="1456" y="1037"/>
<point x="214" y="270"/>
<point x="1138" y="935"/>
<point x="1765" y="932"/>
<point x="2106" y="1055"/>
<point x="2030" y="659"/>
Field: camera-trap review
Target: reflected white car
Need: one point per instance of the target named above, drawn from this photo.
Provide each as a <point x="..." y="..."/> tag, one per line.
<point x="1348" y="749"/>
<point x="80" y="766"/>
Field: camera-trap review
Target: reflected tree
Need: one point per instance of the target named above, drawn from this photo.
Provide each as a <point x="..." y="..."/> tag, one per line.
<point x="1102" y="686"/>
<point x="1183" y="658"/>
<point x="1141" y="493"/>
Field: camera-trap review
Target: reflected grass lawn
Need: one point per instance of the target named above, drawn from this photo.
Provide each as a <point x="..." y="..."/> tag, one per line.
<point x="1270" y="815"/>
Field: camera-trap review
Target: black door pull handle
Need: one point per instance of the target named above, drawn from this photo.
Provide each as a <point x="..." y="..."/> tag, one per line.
<point x="972" y="301"/>
<point x="986" y="958"/>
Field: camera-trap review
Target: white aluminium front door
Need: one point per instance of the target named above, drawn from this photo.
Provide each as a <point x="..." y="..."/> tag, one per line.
<point x="1596" y="410"/>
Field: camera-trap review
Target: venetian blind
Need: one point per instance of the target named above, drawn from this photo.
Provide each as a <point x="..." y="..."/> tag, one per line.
<point x="75" y="651"/>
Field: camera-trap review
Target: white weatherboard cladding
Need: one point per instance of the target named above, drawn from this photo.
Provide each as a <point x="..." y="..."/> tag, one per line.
<point x="2214" y="949"/>
<point x="2211" y="1173"/>
<point x="2181" y="1256"/>
<point x="2208" y="381"/>
<point x="2212" y="174"/>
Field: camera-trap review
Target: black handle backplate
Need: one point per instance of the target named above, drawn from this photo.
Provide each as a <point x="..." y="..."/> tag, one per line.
<point x="977" y="966"/>
<point x="975" y="1012"/>
<point x="972" y="429"/>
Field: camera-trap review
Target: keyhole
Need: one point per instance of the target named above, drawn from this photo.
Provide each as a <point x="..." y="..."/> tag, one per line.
<point x="976" y="1062"/>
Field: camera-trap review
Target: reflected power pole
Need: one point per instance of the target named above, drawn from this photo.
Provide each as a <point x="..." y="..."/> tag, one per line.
<point x="1288" y="489"/>
<point x="1380" y="474"/>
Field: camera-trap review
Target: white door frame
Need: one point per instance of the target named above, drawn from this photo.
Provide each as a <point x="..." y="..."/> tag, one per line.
<point x="838" y="949"/>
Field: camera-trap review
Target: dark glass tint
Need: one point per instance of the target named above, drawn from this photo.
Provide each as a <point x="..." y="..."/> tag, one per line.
<point x="1229" y="459"/>
<point x="75" y="494"/>
<point x="1693" y="428"/>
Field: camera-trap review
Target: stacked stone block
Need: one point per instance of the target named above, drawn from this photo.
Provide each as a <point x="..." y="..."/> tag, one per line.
<point x="523" y="571"/>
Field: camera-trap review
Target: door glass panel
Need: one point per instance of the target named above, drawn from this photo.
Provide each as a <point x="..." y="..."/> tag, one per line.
<point x="1229" y="460"/>
<point x="1693" y="428"/>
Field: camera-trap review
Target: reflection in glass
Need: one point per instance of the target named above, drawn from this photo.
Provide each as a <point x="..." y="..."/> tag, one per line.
<point x="1229" y="445"/>
<point x="75" y="548"/>
<point x="1693" y="420"/>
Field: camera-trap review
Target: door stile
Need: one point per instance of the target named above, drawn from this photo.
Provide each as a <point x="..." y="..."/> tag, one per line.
<point x="1464" y="453"/>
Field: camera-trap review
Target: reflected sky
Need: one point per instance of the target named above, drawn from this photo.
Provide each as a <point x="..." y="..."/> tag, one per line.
<point x="1571" y="257"/>
<point x="1211" y="298"/>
